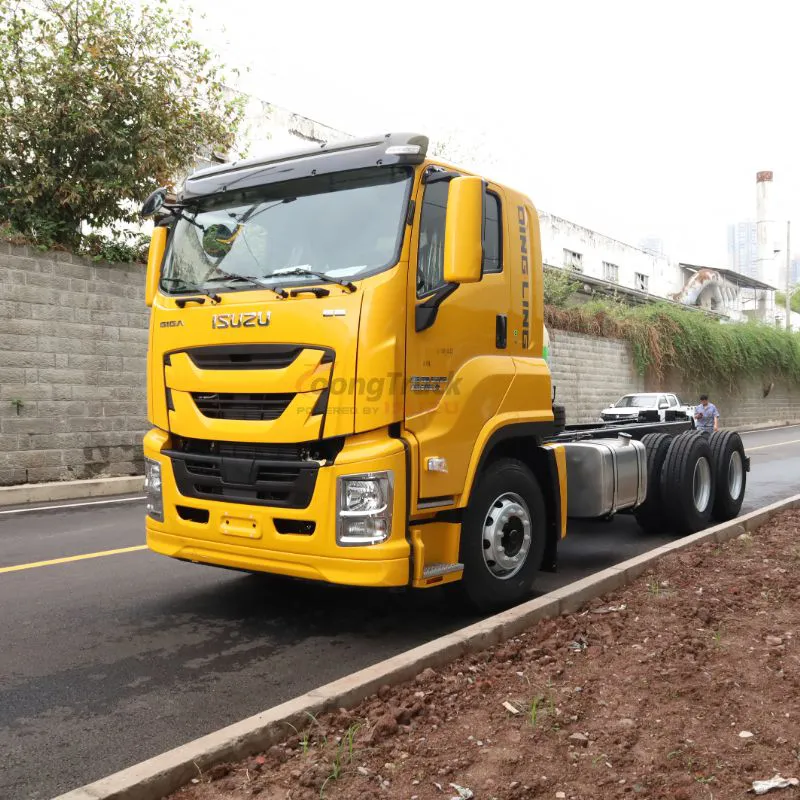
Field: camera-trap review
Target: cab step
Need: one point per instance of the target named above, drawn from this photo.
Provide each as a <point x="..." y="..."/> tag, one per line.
<point x="437" y="570"/>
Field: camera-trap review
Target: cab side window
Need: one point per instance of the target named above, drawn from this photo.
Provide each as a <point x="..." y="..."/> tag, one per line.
<point x="430" y="259"/>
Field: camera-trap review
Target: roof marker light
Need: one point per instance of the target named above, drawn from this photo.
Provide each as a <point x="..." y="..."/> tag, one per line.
<point x="403" y="150"/>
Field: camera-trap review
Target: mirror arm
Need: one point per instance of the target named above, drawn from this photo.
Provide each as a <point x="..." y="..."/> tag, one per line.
<point x="425" y="312"/>
<point x="177" y="212"/>
<point x="437" y="174"/>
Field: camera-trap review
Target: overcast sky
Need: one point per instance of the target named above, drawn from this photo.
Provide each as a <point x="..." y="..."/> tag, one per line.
<point x="632" y="118"/>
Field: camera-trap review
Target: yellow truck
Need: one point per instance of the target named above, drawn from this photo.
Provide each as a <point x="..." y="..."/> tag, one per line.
<point x="346" y="383"/>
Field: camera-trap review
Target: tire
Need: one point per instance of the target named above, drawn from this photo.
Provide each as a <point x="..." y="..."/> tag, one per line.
<point x="559" y="418"/>
<point x="509" y="486"/>
<point x="730" y="476"/>
<point x="687" y="483"/>
<point x="651" y="515"/>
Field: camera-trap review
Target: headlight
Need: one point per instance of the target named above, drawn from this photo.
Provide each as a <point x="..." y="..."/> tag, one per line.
<point x="364" y="508"/>
<point x="152" y="488"/>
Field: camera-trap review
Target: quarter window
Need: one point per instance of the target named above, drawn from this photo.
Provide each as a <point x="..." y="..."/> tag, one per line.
<point x="492" y="234"/>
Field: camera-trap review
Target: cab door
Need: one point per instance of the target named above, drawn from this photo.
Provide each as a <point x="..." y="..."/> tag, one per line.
<point x="457" y="364"/>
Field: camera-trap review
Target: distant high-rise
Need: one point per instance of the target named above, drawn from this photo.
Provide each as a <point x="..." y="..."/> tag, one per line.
<point x="794" y="272"/>
<point x="743" y="248"/>
<point x="653" y="244"/>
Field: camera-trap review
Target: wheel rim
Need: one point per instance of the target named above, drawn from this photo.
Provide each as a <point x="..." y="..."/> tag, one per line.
<point x="702" y="484"/>
<point x="506" y="536"/>
<point x="735" y="474"/>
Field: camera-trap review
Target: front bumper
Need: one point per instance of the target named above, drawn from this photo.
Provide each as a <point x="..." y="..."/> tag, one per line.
<point x="247" y="537"/>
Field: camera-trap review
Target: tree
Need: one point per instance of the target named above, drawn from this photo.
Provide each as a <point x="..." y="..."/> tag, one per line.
<point x="794" y="301"/>
<point x="100" y="103"/>
<point x="558" y="287"/>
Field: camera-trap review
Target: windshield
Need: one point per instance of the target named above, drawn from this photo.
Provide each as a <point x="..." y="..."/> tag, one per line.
<point x="347" y="225"/>
<point x="637" y="401"/>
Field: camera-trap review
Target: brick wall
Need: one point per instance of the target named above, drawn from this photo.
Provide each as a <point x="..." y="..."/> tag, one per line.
<point x="72" y="350"/>
<point x="591" y="373"/>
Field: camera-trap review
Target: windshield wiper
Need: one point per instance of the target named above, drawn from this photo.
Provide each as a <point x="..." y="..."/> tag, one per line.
<point x="351" y="287"/>
<point x="232" y="276"/>
<point x="191" y="287"/>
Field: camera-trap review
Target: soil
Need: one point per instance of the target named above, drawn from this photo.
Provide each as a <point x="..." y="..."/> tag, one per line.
<point x="683" y="685"/>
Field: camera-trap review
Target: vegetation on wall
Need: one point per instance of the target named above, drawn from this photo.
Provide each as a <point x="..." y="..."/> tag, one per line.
<point x="665" y="337"/>
<point x="101" y="101"/>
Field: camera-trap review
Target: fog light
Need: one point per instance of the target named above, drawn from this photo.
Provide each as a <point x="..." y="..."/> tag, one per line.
<point x="152" y="488"/>
<point x="364" y="508"/>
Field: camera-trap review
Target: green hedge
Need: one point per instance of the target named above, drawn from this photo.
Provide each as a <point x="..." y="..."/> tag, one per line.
<point x="665" y="337"/>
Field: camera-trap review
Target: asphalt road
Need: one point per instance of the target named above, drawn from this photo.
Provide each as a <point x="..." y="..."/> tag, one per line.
<point x="110" y="660"/>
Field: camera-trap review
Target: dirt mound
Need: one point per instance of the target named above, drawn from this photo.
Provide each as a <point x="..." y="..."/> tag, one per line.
<point x="684" y="685"/>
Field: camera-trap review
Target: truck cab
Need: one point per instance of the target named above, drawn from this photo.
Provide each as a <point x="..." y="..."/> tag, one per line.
<point x="346" y="380"/>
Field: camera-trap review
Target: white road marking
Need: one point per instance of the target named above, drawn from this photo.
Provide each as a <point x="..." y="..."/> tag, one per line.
<point x="73" y="505"/>
<point x="774" y="444"/>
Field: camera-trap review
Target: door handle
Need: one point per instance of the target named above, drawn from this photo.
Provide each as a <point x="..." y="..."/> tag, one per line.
<point x="501" y="331"/>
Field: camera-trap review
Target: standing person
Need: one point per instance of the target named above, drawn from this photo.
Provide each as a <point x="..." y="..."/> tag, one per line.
<point x="707" y="416"/>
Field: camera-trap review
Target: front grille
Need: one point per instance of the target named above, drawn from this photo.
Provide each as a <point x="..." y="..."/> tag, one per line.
<point x="251" y="356"/>
<point x="259" y="407"/>
<point x="277" y="475"/>
<point x="258" y="356"/>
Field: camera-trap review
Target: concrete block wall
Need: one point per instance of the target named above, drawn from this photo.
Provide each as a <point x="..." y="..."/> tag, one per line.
<point x="72" y="371"/>
<point x="590" y="373"/>
<point x="72" y="367"/>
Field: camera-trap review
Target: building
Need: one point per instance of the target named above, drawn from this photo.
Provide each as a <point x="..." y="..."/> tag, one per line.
<point x="652" y="244"/>
<point x="794" y="272"/>
<point x="743" y="248"/>
<point x="605" y="262"/>
<point x="737" y="297"/>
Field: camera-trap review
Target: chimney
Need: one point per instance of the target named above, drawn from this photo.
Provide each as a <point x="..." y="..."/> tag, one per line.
<point x="766" y="262"/>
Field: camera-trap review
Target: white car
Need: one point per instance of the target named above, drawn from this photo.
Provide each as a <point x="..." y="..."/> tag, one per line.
<point x="629" y="406"/>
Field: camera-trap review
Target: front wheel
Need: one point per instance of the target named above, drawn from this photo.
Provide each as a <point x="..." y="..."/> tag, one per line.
<point x="502" y="536"/>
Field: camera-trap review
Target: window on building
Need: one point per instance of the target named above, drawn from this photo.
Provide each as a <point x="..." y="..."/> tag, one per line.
<point x="573" y="260"/>
<point x="611" y="272"/>
<point x="641" y="281"/>
<point x="430" y="258"/>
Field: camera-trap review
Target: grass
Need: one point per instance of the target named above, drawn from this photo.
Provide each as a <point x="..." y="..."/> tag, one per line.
<point x="654" y="587"/>
<point x="542" y="705"/>
<point x="343" y="756"/>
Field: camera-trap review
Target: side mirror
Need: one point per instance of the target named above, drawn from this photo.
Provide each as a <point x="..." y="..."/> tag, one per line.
<point x="463" y="233"/>
<point x="155" y="255"/>
<point x="154" y="202"/>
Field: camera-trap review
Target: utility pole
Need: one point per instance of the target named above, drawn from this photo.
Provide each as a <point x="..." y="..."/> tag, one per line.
<point x="788" y="270"/>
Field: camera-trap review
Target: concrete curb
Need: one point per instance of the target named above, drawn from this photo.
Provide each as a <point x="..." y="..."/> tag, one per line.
<point x="69" y="490"/>
<point x="158" y="776"/>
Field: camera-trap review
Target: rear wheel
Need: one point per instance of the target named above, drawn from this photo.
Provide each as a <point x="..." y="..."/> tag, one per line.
<point x="651" y="515"/>
<point x="687" y="483"/>
<point x="502" y="536"/>
<point x="728" y="458"/>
